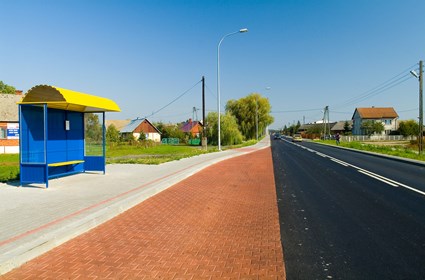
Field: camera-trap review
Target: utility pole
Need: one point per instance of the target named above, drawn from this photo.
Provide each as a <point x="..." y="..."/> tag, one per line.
<point x="326" y="122"/>
<point x="421" y="116"/>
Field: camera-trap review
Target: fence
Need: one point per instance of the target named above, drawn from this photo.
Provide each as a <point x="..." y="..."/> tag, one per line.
<point x="170" y="141"/>
<point x="351" y="138"/>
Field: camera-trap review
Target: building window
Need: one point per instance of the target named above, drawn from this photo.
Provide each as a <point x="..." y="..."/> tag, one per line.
<point x="387" y="122"/>
<point x="3" y="133"/>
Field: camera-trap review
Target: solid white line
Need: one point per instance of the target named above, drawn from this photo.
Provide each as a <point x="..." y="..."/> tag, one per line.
<point x="377" y="178"/>
<point x="413" y="189"/>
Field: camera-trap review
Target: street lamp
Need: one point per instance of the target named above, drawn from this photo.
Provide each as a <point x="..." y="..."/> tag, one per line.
<point x="421" y="118"/>
<point x="243" y="30"/>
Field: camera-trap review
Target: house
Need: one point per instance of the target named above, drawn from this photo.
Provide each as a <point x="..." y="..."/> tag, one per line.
<point x="9" y="122"/>
<point x="139" y="126"/>
<point x="339" y="127"/>
<point x="386" y="115"/>
<point x="193" y="127"/>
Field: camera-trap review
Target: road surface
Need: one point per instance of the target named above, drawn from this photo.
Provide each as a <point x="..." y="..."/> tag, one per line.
<point x="348" y="215"/>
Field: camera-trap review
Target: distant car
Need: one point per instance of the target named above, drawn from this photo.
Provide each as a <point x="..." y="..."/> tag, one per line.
<point x="276" y="136"/>
<point x="297" y="138"/>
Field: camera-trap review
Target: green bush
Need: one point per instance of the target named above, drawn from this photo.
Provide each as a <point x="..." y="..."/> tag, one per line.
<point x="8" y="173"/>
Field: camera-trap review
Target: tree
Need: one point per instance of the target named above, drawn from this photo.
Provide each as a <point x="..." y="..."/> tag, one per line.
<point x="4" y="88"/>
<point x="408" y="128"/>
<point x="347" y="128"/>
<point x="229" y="132"/>
<point x="112" y="134"/>
<point x="246" y="110"/>
<point x="94" y="131"/>
<point x="171" y="131"/>
<point x="372" y="127"/>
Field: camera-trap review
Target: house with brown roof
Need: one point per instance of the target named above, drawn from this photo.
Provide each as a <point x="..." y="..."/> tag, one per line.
<point x="386" y="115"/>
<point x="9" y="122"/>
<point x="138" y="126"/>
<point x="192" y="127"/>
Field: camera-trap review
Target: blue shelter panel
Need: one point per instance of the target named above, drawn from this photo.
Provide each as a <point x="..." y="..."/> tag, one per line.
<point x="75" y="136"/>
<point x="33" y="173"/>
<point x="32" y="137"/>
<point x="65" y="136"/>
<point x="56" y="145"/>
<point x="94" y="163"/>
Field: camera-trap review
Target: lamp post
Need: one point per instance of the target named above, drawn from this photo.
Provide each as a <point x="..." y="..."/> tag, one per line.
<point x="421" y="118"/>
<point x="243" y="30"/>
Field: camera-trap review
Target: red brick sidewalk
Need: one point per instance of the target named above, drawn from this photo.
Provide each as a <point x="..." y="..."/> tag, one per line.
<point x="221" y="223"/>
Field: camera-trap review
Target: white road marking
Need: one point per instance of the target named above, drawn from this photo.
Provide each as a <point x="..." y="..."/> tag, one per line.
<point x="363" y="171"/>
<point x="340" y="162"/>
<point x="377" y="178"/>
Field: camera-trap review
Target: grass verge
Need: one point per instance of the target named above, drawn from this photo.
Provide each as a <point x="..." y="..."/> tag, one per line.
<point x="9" y="167"/>
<point x="404" y="151"/>
<point x="132" y="154"/>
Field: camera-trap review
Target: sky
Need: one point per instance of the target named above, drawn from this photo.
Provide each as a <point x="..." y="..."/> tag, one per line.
<point x="147" y="54"/>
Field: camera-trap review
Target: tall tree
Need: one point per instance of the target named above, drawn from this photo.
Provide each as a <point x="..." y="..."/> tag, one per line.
<point x="229" y="132"/>
<point x="247" y="110"/>
<point x="112" y="134"/>
<point x="4" y="88"/>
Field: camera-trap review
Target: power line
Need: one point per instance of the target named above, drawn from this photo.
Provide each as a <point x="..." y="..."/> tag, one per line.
<point x="174" y="100"/>
<point x="295" y="111"/>
<point x="388" y="84"/>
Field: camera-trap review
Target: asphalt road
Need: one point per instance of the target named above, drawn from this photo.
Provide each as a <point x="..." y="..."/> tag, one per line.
<point x="347" y="215"/>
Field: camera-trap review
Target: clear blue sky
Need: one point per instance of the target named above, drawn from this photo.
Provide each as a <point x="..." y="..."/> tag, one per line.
<point x="144" y="54"/>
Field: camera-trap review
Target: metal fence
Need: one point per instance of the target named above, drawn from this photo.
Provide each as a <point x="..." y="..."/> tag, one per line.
<point x="170" y="141"/>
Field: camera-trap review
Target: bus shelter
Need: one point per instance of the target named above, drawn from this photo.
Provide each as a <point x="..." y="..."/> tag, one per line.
<point x="55" y="126"/>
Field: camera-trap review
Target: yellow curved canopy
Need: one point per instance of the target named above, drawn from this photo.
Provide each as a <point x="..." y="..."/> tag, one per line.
<point x="65" y="99"/>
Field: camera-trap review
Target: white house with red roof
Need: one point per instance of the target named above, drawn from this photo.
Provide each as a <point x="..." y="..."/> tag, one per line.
<point x="386" y="115"/>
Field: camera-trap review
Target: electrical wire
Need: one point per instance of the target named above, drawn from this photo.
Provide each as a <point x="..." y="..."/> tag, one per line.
<point x="388" y="84"/>
<point x="174" y="100"/>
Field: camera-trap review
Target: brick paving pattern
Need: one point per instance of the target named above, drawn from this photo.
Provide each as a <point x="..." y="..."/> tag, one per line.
<point x="221" y="223"/>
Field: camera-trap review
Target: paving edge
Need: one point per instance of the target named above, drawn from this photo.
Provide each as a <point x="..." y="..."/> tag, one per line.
<point x="18" y="256"/>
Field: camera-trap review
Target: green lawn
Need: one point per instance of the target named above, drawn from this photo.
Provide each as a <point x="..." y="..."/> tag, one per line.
<point x="9" y="167"/>
<point x="150" y="154"/>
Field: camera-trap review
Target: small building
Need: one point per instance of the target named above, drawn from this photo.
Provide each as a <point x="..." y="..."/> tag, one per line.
<point x="386" y="115"/>
<point x="193" y="127"/>
<point x="9" y="122"/>
<point x="339" y="127"/>
<point x="138" y="126"/>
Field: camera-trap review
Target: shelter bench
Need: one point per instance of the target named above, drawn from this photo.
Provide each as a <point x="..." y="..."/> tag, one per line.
<point x="63" y="163"/>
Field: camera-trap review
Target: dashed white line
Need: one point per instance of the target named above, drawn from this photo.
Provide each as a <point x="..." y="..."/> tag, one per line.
<point x="340" y="162"/>
<point x="363" y="171"/>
